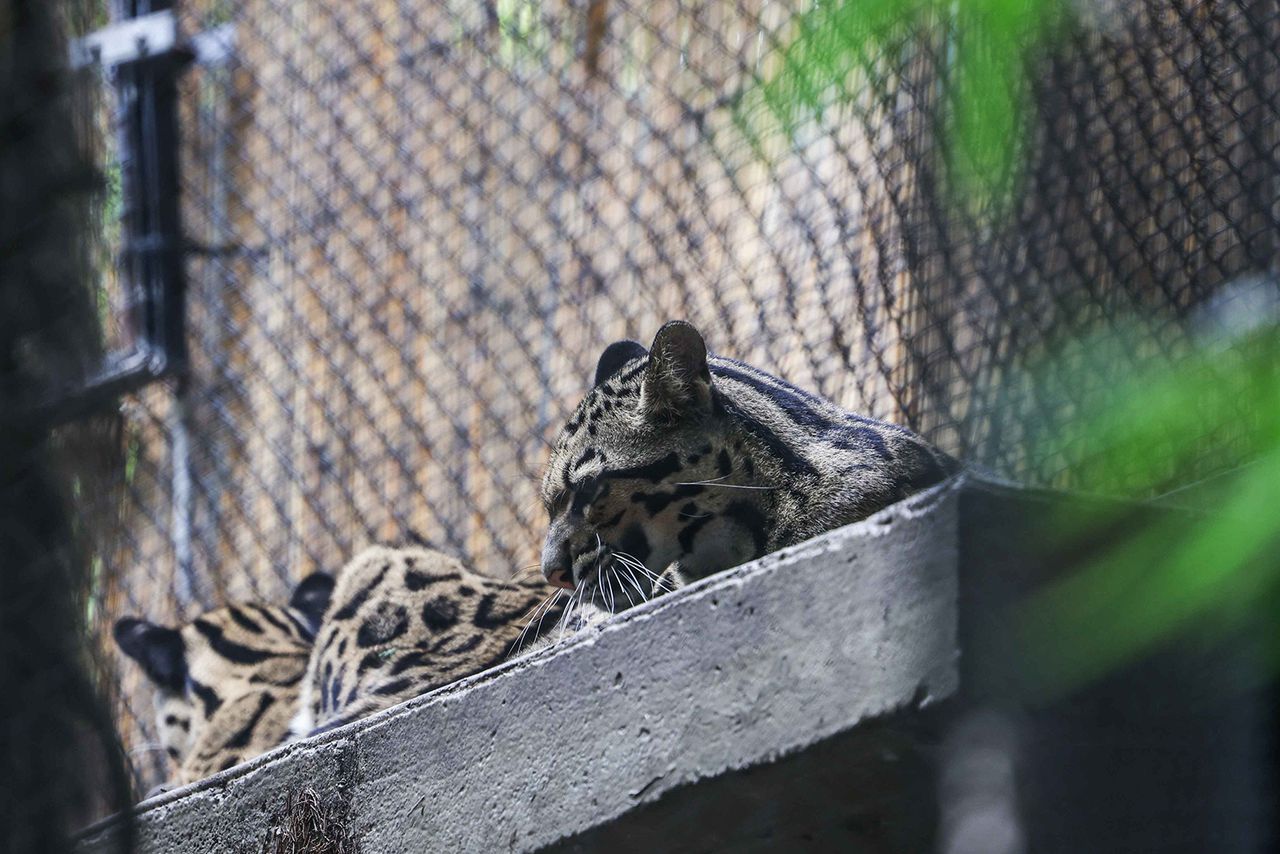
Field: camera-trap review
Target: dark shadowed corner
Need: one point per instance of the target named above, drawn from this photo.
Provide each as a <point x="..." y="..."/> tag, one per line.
<point x="61" y="762"/>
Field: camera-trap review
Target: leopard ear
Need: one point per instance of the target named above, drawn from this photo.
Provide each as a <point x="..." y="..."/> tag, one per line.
<point x="677" y="381"/>
<point x="158" y="649"/>
<point x="311" y="598"/>
<point x="615" y="356"/>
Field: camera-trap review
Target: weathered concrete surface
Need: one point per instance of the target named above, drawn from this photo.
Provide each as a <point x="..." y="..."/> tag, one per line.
<point x="739" y="669"/>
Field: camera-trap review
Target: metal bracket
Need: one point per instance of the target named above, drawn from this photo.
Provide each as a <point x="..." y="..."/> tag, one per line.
<point x="132" y="40"/>
<point x="149" y="37"/>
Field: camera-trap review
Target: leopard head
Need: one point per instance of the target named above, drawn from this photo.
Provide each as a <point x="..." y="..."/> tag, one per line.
<point x="640" y="481"/>
<point x="225" y="683"/>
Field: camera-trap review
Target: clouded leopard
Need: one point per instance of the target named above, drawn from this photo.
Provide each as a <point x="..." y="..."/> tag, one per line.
<point x="678" y="464"/>
<point x="404" y="621"/>
<point x="226" y="684"/>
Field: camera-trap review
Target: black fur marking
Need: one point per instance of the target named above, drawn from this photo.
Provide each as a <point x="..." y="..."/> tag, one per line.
<point x="656" y="502"/>
<point x="926" y="471"/>
<point x="325" y="681"/>
<point x="690" y="532"/>
<point x="207" y="696"/>
<point x="733" y="366"/>
<point x="230" y="763"/>
<point x="409" y="659"/>
<point x="440" y="613"/>
<point x="342" y="648"/>
<point x="791" y="400"/>
<point x="371" y="661"/>
<point x="851" y="437"/>
<point x="635" y="543"/>
<point x="259" y="679"/>
<point x="750" y="517"/>
<point x="416" y="581"/>
<point x="181" y="723"/>
<point x="613" y="520"/>
<point x="353" y="604"/>
<point x="393" y="687"/>
<point x="654" y="472"/>
<point x="689" y="510"/>
<point x="723" y="463"/>
<point x="587" y="456"/>
<point x="791" y="461"/>
<point x="749" y="466"/>
<point x="230" y="650"/>
<point x="241" y="619"/>
<point x="467" y="645"/>
<point x="173" y="753"/>
<point x="242" y="735"/>
<point x="464" y="590"/>
<point x="631" y="373"/>
<point x="331" y="636"/>
<point x="335" y="689"/>
<point x="586" y="492"/>
<point x="265" y="614"/>
<point x="487" y="618"/>
<point x="387" y="624"/>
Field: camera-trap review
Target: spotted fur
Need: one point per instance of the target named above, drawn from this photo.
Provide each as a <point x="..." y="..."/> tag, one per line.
<point x="678" y="464"/>
<point x="226" y="684"/>
<point x="405" y="621"/>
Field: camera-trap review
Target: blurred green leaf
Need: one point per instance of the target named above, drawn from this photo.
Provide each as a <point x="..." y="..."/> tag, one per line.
<point x="836" y="47"/>
<point x="1214" y="567"/>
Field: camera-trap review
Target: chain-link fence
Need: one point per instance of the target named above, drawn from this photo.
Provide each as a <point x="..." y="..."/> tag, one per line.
<point x="414" y="225"/>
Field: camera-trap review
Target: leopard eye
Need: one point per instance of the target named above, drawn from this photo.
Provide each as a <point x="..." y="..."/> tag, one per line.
<point x="556" y="504"/>
<point x="586" y="492"/>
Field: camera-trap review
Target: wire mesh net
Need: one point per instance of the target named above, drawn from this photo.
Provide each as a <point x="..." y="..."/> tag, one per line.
<point x="413" y="226"/>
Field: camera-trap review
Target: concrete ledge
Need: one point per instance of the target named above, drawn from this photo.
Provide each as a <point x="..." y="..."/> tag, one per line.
<point x="738" y="669"/>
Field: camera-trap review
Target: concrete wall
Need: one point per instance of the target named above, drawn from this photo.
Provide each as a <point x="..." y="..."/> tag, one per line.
<point x="739" y="669"/>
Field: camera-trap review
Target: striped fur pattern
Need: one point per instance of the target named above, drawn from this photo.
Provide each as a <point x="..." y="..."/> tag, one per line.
<point x="226" y="684"/>
<point x="405" y="621"/>
<point x="678" y="464"/>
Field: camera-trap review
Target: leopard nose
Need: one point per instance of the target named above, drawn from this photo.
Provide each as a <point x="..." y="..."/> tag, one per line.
<point x="557" y="567"/>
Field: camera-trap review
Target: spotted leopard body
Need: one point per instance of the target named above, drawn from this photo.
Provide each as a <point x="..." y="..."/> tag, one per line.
<point x="678" y="464"/>
<point x="404" y="621"/>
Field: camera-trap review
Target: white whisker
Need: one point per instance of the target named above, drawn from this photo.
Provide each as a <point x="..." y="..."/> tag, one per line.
<point x="630" y="576"/>
<point x="608" y="593"/>
<point x="634" y="563"/>
<point x="544" y="607"/>
<point x="722" y="485"/>
<point x="623" y="587"/>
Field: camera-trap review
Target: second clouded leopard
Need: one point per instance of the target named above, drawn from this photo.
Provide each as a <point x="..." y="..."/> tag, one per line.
<point x="404" y="621"/>
<point x="226" y="684"/>
<point x="678" y="464"/>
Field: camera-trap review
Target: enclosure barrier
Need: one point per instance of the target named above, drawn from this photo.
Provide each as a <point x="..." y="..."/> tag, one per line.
<point x="411" y="227"/>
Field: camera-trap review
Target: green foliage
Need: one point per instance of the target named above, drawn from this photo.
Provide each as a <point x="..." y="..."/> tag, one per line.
<point x="983" y="46"/>
<point x="1213" y="568"/>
